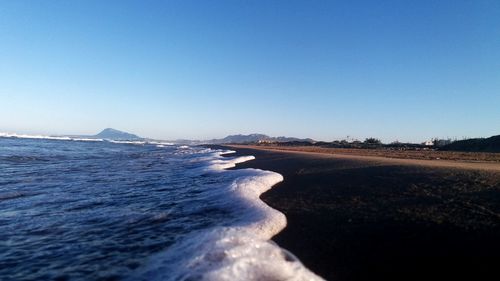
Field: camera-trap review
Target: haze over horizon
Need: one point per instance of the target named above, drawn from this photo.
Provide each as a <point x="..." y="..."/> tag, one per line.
<point x="325" y="70"/>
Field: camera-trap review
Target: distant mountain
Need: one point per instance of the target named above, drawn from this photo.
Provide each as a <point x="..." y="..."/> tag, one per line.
<point x="241" y="138"/>
<point x="491" y="144"/>
<point x="253" y="138"/>
<point x="113" y="134"/>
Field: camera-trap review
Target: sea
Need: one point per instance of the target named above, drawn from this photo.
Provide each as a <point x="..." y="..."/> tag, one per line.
<point x="94" y="209"/>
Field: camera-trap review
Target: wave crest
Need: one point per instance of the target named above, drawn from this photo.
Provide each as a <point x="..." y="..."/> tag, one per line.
<point x="242" y="251"/>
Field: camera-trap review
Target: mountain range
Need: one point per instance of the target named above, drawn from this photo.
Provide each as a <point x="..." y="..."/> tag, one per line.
<point x="113" y="134"/>
<point x="252" y="138"/>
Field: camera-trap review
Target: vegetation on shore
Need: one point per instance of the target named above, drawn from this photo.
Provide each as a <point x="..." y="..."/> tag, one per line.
<point x="491" y="144"/>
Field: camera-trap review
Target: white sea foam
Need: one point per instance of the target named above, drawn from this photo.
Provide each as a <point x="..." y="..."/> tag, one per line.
<point x="86" y="139"/>
<point x="23" y="136"/>
<point x="68" y="138"/>
<point x="65" y="138"/>
<point x="221" y="164"/>
<point x="162" y="143"/>
<point x="127" y="142"/>
<point x="225" y="254"/>
<point x="227" y="152"/>
<point x="242" y="251"/>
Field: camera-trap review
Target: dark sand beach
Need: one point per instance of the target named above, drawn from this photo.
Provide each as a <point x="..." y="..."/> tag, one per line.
<point x="355" y="218"/>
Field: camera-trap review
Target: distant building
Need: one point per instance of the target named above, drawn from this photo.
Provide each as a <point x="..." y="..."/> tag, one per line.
<point x="428" y="143"/>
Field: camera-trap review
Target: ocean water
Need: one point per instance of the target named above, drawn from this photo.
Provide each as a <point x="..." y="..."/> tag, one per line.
<point x="78" y="209"/>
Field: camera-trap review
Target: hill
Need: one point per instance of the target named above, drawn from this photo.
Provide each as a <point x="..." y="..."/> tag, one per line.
<point x="491" y="144"/>
<point x="114" y="134"/>
<point x="255" y="138"/>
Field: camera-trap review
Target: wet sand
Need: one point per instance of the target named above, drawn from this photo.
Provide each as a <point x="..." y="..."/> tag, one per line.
<point x="355" y="218"/>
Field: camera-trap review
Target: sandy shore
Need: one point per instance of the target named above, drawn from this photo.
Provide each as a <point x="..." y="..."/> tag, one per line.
<point x="443" y="159"/>
<point x="357" y="218"/>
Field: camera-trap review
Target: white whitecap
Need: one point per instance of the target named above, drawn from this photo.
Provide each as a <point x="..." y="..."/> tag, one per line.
<point x="87" y="139"/>
<point x="242" y="251"/>
<point x="127" y="142"/>
<point x="65" y="138"/>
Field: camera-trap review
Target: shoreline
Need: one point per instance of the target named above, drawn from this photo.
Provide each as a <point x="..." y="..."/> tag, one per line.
<point x="383" y="159"/>
<point x="358" y="218"/>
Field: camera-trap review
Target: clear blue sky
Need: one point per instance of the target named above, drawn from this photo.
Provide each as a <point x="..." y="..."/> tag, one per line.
<point x="407" y="70"/>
